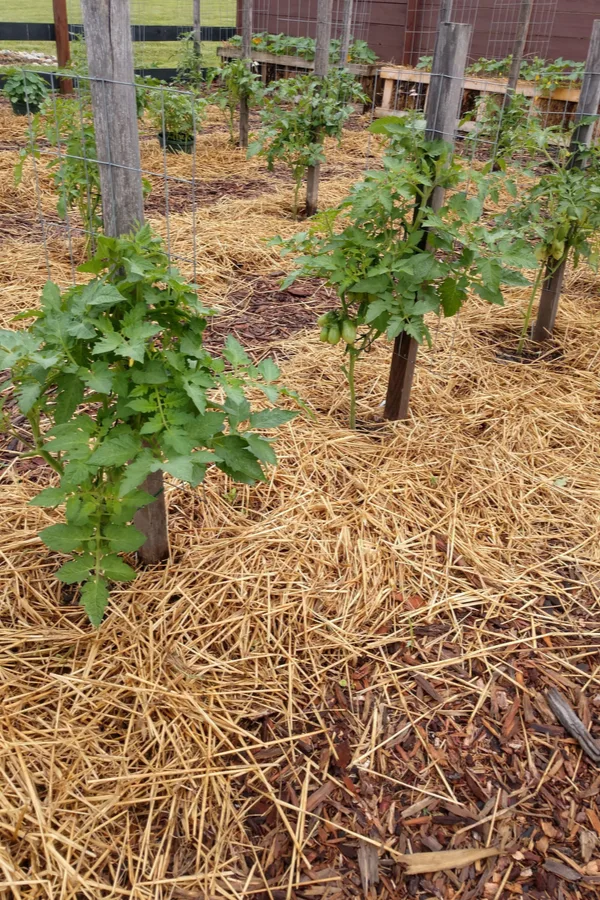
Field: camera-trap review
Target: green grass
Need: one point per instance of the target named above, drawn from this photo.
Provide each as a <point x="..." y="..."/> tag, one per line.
<point x="143" y="12"/>
<point x="148" y="12"/>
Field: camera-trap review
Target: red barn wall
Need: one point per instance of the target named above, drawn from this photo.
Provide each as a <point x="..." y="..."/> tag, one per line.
<point x="569" y="37"/>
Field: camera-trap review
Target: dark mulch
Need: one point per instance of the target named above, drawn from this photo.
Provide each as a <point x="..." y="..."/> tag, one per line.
<point x="518" y="780"/>
<point x="179" y="196"/>
<point x="505" y="342"/>
<point x="263" y="313"/>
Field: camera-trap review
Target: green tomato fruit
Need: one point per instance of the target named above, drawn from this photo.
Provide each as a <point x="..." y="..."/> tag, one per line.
<point x="324" y="320"/>
<point x="333" y="335"/>
<point x="558" y="248"/>
<point x="348" y="331"/>
<point x="324" y="336"/>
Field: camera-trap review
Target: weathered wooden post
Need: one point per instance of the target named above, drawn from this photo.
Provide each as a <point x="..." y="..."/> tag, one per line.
<point x="346" y="32"/>
<point x="110" y="60"/>
<point x="443" y="110"/>
<point x="63" y="47"/>
<point x="321" y="69"/>
<point x="589" y="101"/>
<point x="518" y="49"/>
<point x="247" y="57"/>
<point x="197" y="29"/>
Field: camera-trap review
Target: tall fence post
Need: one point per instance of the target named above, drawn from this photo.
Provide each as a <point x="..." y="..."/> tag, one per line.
<point x="63" y="47"/>
<point x="443" y="110"/>
<point x="247" y="57"/>
<point x="346" y="32"/>
<point x="321" y="69"/>
<point x="197" y="29"/>
<point x="110" y="60"/>
<point x="589" y="101"/>
<point x="518" y="49"/>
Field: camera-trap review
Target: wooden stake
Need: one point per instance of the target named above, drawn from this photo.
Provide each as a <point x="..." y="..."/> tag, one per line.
<point x="110" y="59"/>
<point x="346" y="32"/>
<point x="589" y="101"/>
<point x="445" y="14"/>
<point x="321" y="69"/>
<point x="247" y="57"/>
<point x="197" y="29"/>
<point x="443" y="110"/>
<point x="63" y="47"/>
<point x="518" y="49"/>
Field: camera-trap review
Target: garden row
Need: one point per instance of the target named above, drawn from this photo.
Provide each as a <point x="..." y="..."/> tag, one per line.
<point x="113" y="376"/>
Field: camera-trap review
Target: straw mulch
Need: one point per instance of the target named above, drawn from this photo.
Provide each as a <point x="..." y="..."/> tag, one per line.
<point x="340" y="666"/>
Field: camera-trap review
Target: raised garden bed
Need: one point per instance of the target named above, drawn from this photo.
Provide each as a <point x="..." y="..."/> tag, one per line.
<point x="227" y="53"/>
<point x="393" y="77"/>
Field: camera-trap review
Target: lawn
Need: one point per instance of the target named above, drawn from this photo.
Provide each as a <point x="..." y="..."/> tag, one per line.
<point x="159" y="12"/>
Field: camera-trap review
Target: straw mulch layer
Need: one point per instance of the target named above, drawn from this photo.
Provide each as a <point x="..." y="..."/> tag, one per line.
<point x="338" y="667"/>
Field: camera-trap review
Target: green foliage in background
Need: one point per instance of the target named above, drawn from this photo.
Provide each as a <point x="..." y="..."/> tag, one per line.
<point x="177" y="114"/>
<point x="237" y="82"/>
<point x="559" y="210"/>
<point x="284" y="45"/>
<point x="69" y="130"/>
<point x="26" y="88"/>
<point x="298" y="113"/>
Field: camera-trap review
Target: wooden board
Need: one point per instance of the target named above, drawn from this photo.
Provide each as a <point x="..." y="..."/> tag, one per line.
<point x="288" y="62"/>
<point x="393" y="74"/>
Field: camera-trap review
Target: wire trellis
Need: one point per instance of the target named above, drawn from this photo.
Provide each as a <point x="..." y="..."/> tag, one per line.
<point x="504" y="28"/>
<point x="477" y="142"/>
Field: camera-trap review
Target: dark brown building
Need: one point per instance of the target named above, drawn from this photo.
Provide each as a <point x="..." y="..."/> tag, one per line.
<point x="403" y="30"/>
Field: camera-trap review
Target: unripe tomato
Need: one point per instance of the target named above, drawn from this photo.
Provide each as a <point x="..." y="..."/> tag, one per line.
<point x="324" y="336"/>
<point x="333" y="335"/>
<point x="348" y="331"/>
<point x="540" y="254"/>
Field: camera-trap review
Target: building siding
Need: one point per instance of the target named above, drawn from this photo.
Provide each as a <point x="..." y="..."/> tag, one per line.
<point x="569" y="32"/>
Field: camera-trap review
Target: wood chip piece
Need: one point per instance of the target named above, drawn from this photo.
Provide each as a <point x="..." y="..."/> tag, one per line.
<point x="318" y="796"/>
<point x="368" y="863"/>
<point x="428" y="688"/>
<point x="588" y="841"/>
<point x="423" y="863"/>
<point x="594" y="820"/>
<point x="343" y="753"/>
<point x="573" y="724"/>
<point x="559" y="869"/>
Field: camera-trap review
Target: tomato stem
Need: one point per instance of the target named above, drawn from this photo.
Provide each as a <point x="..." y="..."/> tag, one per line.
<point x="352" y="385"/>
<point x="534" y="290"/>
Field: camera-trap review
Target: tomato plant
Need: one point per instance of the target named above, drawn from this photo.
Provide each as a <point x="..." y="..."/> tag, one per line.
<point x="177" y="116"/>
<point x="237" y="82"/>
<point x="297" y="114"/>
<point x="25" y="90"/>
<point x="504" y="130"/>
<point x="285" y="45"/>
<point x="69" y="129"/>
<point x="559" y="211"/>
<point x="115" y="382"/>
<point x="392" y="260"/>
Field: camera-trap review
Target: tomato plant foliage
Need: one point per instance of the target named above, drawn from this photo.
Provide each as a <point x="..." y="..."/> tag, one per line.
<point x="118" y="369"/>
<point x="557" y="204"/>
<point x="237" y="82"/>
<point x="297" y="114"/>
<point x="392" y="259"/>
<point x="68" y="128"/>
